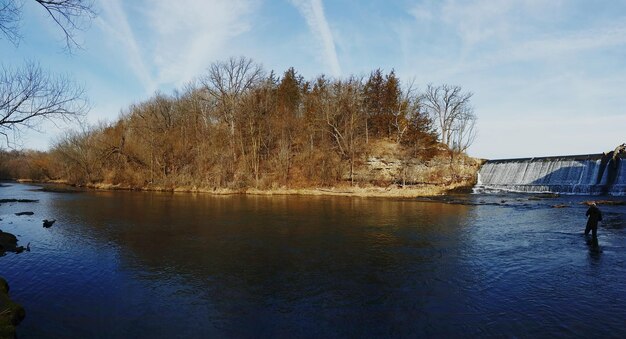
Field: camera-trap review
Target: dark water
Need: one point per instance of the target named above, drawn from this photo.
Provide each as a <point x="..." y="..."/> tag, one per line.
<point x="126" y="264"/>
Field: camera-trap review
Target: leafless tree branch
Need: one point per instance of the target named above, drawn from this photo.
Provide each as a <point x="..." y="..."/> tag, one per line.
<point x="69" y="15"/>
<point x="28" y="96"/>
<point x="10" y="16"/>
<point x="450" y="108"/>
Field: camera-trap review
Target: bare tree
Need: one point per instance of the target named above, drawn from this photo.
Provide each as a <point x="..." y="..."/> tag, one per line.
<point x="69" y="15"/>
<point x="342" y="112"/>
<point x="255" y="133"/>
<point x="450" y="108"/>
<point x="29" y="96"/>
<point x="77" y="151"/>
<point x="464" y="131"/>
<point x="227" y="81"/>
<point x="408" y="104"/>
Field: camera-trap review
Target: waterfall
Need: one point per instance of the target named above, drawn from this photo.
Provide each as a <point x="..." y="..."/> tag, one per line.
<point x="591" y="174"/>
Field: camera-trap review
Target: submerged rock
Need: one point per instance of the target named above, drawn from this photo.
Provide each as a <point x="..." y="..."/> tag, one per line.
<point x="59" y="189"/>
<point x="11" y="314"/>
<point x="24" y="213"/>
<point x="543" y="196"/>
<point x="17" y="200"/>
<point x="560" y="206"/>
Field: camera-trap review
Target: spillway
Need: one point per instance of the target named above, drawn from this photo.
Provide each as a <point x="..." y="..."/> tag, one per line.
<point x="592" y="174"/>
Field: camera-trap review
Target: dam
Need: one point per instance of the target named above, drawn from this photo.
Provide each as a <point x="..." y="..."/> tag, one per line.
<point x="590" y="174"/>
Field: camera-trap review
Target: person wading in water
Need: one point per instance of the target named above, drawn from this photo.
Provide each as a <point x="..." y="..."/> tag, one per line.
<point x="594" y="215"/>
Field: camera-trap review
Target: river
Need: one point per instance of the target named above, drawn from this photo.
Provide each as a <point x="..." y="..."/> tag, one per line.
<point x="161" y="265"/>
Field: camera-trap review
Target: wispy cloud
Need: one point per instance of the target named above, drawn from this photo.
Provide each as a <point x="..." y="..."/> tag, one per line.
<point x="171" y="42"/>
<point x="558" y="45"/>
<point x="535" y="67"/>
<point x="114" y="22"/>
<point x="545" y="49"/>
<point x="494" y="33"/>
<point x="313" y="13"/>
<point x="484" y="20"/>
<point x="189" y="34"/>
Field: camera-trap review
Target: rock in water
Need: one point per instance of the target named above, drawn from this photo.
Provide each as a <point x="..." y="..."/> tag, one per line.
<point x="48" y="223"/>
<point x="8" y="242"/>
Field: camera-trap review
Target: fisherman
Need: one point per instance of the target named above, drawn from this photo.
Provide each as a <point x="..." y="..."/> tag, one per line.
<point x="594" y="215"/>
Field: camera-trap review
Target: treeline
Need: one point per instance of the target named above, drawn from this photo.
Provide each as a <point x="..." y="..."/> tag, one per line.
<point x="238" y="126"/>
<point x="33" y="165"/>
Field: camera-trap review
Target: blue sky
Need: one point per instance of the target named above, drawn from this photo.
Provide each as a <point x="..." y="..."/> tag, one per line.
<point x="548" y="77"/>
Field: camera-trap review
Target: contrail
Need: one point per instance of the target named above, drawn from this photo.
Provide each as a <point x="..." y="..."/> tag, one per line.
<point x="313" y="13"/>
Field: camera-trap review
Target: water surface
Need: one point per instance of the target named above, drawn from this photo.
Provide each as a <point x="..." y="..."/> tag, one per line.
<point x="132" y="264"/>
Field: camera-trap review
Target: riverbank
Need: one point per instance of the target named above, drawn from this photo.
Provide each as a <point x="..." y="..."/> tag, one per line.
<point x="384" y="176"/>
<point x="392" y="191"/>
<point x="386" y="169"/>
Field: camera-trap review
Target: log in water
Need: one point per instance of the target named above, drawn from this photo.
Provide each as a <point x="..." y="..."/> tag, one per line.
<point x="591" y="174"/>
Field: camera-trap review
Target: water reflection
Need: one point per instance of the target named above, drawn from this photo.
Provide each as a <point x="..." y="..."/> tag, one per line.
<point x="283" y="265"/>
<point x="594" y="247"/>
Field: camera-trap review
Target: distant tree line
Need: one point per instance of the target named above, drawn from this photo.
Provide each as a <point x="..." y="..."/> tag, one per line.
<point x="35" y="165"/>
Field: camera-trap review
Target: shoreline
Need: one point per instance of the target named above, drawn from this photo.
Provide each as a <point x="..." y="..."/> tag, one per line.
<point x="392" y="191"/>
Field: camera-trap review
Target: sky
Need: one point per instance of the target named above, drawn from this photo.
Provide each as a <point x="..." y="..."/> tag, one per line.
<point x="548" y="77"/>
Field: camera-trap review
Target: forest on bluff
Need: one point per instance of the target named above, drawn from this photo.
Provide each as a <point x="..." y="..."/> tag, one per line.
<point x="238" y="126"/>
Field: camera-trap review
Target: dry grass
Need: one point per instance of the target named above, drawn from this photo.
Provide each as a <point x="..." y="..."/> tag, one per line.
<point x="386" y="171"/>
<point x="352" y="191"/>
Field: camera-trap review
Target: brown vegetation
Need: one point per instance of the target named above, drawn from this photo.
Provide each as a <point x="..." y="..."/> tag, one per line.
<point x="239" y="129"/>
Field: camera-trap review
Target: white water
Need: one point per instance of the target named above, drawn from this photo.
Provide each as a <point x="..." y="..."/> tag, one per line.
<point x="569" y="174"/>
